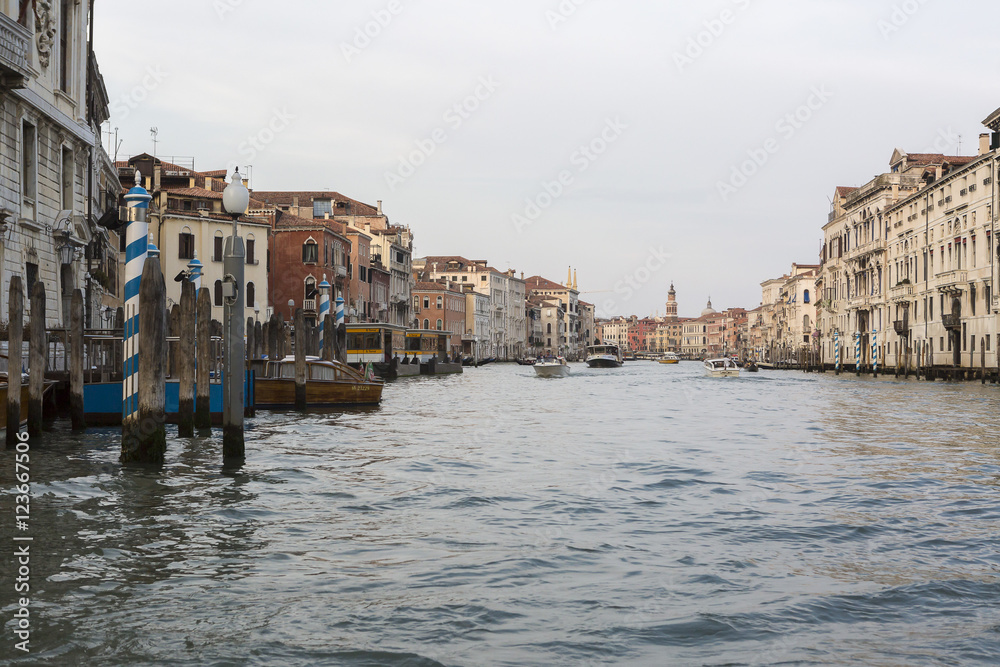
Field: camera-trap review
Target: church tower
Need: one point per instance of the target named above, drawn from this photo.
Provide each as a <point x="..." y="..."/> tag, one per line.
<point x="671" y="304"/>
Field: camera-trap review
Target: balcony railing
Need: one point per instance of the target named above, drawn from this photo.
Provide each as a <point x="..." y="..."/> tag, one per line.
<point x="899" y="326"/>
<point x="951" y="321"/>
<point x="14" y="42"/>
<point x="309" y="304"/>
<point x="900" y="292"/>
<point x="954" y="278"/>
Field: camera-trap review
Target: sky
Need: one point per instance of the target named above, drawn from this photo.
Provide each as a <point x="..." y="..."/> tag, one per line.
<point x="640" y="143"/>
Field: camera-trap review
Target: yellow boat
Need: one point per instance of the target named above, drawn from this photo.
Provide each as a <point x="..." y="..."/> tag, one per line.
<point x="669" y="358"/>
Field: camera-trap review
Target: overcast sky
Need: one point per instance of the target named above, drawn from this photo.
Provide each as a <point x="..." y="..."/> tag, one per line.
<point x="539" y="135"/>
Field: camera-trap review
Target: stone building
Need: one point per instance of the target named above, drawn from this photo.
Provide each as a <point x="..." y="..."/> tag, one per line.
<point x="58" y="194"/>
<point x="440" y="306"/>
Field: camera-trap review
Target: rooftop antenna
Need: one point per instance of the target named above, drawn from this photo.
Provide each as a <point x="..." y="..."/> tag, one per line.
<point x="960" y="144"/>
<point x="118" y="144"/>
<point x="154" y="131"/>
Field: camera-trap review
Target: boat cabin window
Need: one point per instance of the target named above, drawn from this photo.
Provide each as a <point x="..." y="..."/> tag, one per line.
<point x="364" y="341"/>
<point x="288" y="371"/>
<point x="322" y="372"/>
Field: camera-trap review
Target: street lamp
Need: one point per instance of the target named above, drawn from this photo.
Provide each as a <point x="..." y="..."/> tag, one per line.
<point x="235" y="200"/>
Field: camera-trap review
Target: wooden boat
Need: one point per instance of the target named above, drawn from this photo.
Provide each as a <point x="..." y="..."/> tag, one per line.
<point x="750" y="367"/>
<point x="3" y="401"/>
<point x="721" y="368"/>
<point x="328" y="384"/>
<point x="552" y="367"/>
<point x="526" y="362"/>
<point x="669" y="358"/>
<point x="604" y="356"/>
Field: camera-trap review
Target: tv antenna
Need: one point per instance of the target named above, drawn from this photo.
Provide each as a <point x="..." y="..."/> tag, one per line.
<point x="154" y="131"/>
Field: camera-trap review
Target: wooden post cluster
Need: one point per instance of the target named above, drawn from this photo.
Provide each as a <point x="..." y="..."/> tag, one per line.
<point x="15" y="331"/>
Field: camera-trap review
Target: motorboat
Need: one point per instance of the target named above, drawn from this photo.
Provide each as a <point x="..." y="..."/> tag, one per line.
<point x="721" y="368"/>
<point x="328" y="383"/>
<point x="551" y="367"/>
<point x="669" y="358"/>
<point x="604" y="356"/>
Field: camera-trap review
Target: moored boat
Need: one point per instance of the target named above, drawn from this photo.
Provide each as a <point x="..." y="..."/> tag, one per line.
<point x="3" y="400"/>
<point x="328" y="384"/>
<point x="721" y="368"/>
<point x="604" y="356"/>
<point x="669" y="358"/>
<point x="552" y="367"/>
<point x="383" y="346"/>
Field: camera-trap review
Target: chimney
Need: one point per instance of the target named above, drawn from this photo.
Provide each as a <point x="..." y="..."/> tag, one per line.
<point x="380" y="207"/>
<point x="295" y="203"/>
<point x="326" y="216"/>
<point x="984" y="143"/>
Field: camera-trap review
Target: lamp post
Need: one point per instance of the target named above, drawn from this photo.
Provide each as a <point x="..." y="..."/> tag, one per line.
<point x="235" y="199"/>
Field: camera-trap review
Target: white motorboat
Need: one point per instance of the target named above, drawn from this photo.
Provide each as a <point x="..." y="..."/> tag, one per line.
<point x="551" y="367"/>
<point x="604" y="356"/>
<point x="722" y="368"/>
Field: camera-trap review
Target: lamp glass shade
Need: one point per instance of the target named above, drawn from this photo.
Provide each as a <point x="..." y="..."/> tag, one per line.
<point x="236" y="197"/>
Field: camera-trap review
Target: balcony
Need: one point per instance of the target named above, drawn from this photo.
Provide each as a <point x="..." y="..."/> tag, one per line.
<point x="901" y="292"/>
<point x="309" y="304"/>
<point x="341" y="271"/>
<point x="952" y="281"/>
<point x="951" y="321"/>
<point x="900" y="327"/>
<point x="14" y="42"/>
<point x="856" y="302"/>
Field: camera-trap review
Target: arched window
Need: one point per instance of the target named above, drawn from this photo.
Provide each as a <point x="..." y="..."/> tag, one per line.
<point x="310" y="292"/>
<point x="217" y="246"/>
<point x="805" y="296"/>
<point x="185" y="244"/>
<point x="310" y="252"/>
<point x="427" y="324"/>
<point x="218" y="292"/>
<point x="549" y="330"/>
<point x="251" y="295"/>
<point x="439" y="326"/>
<point x="439" y="302"/>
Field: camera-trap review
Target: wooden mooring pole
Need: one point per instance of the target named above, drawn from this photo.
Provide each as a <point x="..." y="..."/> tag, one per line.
<point x="76" y="412"/>
<point x="36" y="360"/>
<point x="186" y="360"/>
<point x="15" y="336"/>
<point x="144" y="439"/>
<point x="301" y="341"/>
<point x="329" y="332"/>
<point x="202" y="407"/>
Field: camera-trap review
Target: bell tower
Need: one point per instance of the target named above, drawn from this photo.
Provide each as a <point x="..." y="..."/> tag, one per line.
<point x="671" y="304"/>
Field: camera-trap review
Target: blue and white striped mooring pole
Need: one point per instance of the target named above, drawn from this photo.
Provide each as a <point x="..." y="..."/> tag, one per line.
<point x="340" y="310"/>
<point x="874" y="350"/>
<point x="836" y="350"/>
<point x="857" y="351"/>
<point x="324" y="310"/>
<point x="136" y="241"/>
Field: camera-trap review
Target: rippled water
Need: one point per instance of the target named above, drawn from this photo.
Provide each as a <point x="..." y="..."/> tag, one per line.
<point x="644" y="515"/>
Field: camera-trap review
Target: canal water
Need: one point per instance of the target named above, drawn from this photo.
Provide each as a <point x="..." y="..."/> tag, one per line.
<point x="645" y="515"/>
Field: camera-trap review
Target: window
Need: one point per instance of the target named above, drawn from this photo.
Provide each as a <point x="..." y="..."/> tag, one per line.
<point x="67" y="178"/>
<point x="65" y="44"/>
<point x="361" y="274"/>
<point x="549" y="327"/>
<point x="218" y="292"/>
<point x="251" y="295"/>
<point x="186" y="205"/>
<point x="439" y="301"/>
<point x="31" y="276"/>
<point x="439" y="326"/>
<point x="185" y="245"/>
<point x="427" y="302"/>
<point x="29" y="153"/>
<point x="972" y="298"/>
<point x="217" y="248"/>
<point x="805" y="296"/>
<point x="427" y="324"/>
<point x="311" y="290"/>
<point x="322" y="207"/>
<point x="310" y="252"/>
<point x="250" y="252"/>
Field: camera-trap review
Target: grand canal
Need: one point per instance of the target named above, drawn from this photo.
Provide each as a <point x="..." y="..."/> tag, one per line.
<point x="645" y="515"/>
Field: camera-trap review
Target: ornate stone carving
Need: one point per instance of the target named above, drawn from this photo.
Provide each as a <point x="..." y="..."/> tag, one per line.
<point x="45" y="30"/>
